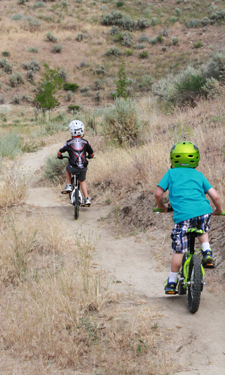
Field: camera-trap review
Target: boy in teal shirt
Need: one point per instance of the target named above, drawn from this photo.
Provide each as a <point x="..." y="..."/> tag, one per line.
<point x="187" y="188"/>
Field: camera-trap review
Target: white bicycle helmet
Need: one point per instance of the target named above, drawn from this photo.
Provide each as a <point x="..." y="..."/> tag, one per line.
<point x="76" y="127"/>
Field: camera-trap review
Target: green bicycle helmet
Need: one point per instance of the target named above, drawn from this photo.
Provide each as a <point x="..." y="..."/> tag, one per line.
<point x="184" y="155"/>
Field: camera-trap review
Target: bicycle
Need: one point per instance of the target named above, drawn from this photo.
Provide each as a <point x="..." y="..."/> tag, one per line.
<point x="191" y="274"/>
<point x="76" y="198"/>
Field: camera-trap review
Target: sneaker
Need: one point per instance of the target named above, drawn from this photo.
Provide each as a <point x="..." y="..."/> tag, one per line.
<point x="170" y="287"/>
<point x="67" y="189"/>
<point x="207" y="257"/>
<point x="87" y="201"/>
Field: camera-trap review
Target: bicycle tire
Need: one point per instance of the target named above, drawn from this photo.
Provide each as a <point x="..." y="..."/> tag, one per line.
<point x="194" y="289"/>
<point x="77" y="205"/>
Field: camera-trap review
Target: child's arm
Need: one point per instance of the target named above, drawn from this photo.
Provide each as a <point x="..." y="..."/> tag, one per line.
<point x="216" y="201"/>
<point x="158" y="197"/>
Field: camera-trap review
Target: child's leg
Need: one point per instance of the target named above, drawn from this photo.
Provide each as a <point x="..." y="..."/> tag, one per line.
<point x="83" y="187"/>
<point x="204" y="241"/>
<point x="68" y="177"/>
<point x="176" y="262"/>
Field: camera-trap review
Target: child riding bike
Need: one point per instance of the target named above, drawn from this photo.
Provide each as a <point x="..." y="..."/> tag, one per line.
<point x="77" y="147"/>
<point x="187" y="188"/>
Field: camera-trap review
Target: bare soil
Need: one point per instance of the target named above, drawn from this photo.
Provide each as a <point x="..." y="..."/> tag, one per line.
<point x="134" y="249"/>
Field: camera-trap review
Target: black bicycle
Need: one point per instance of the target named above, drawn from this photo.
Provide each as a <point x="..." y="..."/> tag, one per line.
<point x="75" y="195"/>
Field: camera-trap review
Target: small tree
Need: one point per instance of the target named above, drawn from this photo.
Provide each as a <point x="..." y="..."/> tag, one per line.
<point x="121" y="84"/>
<point x="48" y="87"/>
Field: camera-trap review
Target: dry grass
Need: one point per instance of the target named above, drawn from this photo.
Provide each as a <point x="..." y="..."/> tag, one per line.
<point x="55" y="306"/>
<point x="203" y="125"/>
<point x="13" y="188"/>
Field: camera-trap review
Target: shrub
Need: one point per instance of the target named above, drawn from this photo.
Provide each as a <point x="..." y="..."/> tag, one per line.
<point x="16" y="99"/>
<point x="73" y="108"/>
<point x="139" y="46"/>
<point x="17" y="17"/>
<point x="119" y="19"/>
<point x="39" y="4"/>
<point x="100" y="70"/>
<point x="5" y="53"/>
<point x="98" y="96"/>
<point x="26" y="98"/>
<point x="143" y="23"/>
<point x="215" y="67"/>
<point x="113" y="51"/>
<point x="211" y="88"/>
<point x="128" y="52"/>
<point x="54" y="168"/>
<point x="16" y="79"/>
<point x="20" y="2"/>
<point x="8" y="67"/>
<point x="198" y="44"/>
<point x="219" y="15"/>
<point x="30" y="75"/>
<point x="32" y="49"/>
<point x="175" y="40"/>
<point x="193" y="23"/>
<point x="157" y="39"/>
<point x="143" y="55"/>
<point x="79" y="37"/>
<point x="119" y="4"/>
<point x="205" y="21"/>
<point x="154" y="21"/>
<point x="70" y="86"/>
<point x="57" y="48"/>
<point x="143" y="38"/>
<point x="98" y="84"/>
<point x="51" y="37"/>
<point x="33" y="22"/>
<point x="164" y="48"/>
<point x="121" y="122"/>
<point x="32" y="65"/>
<point x="63" y="74"/>
<point x="10" y="145"/>
<point x="177" y="11"/>
<point x="69" y="95"/>
<point x="114" y="30"/>
<point x="165" y="32"/>
<point x="126" y="39"/>
<point x="84" y="89"/>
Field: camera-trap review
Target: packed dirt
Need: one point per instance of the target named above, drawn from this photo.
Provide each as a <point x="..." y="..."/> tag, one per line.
<point x="134" y="249"/>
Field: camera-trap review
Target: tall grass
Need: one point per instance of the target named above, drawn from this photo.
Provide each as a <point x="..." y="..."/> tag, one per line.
<point x="10" y="145"/>
<point x="62" y="310"/>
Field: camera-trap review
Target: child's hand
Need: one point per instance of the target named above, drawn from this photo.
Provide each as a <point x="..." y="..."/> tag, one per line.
<point x="217" y="212"/>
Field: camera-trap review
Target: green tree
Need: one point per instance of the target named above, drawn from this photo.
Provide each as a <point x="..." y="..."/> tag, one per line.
<point x="121" y="84"/>
<point x="46" y="98"/>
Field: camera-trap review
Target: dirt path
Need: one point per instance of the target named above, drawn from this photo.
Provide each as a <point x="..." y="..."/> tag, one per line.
<point x="196" y="341"/>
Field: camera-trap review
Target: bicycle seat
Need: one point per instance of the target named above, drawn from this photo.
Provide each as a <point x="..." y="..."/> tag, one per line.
<point x="195" y="232"/>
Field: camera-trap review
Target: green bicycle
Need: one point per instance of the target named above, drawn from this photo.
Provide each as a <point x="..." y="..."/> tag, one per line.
<point x="191" y="274"/>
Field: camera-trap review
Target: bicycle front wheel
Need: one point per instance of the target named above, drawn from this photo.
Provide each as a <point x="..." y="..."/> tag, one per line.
<point x="76" y="205"/>
<point x="194" y="288"/>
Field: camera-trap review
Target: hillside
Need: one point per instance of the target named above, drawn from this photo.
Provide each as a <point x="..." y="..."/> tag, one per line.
<point x="76" y="35"/>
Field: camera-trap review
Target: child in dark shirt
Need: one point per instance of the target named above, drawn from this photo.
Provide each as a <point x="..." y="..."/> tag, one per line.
<point x="77" y="147"/>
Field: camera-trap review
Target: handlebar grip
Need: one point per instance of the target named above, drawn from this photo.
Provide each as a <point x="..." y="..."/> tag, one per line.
<point x="156" y="209"/>
<point x="222" y="214"/>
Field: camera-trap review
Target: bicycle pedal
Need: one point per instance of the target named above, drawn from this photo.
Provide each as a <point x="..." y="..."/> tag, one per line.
<point x="209" y="265"/>
<point x="87" y="205"/>
<point x="171" y="292"/>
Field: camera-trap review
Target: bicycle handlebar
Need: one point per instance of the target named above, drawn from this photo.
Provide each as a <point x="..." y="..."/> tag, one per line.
<point x="169" y="209"/>
<point x="67" y="157"/>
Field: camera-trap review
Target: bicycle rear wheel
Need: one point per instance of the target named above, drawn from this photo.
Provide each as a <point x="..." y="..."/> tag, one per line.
<point x="194" y="289"/>
<point x="76" y="205"/>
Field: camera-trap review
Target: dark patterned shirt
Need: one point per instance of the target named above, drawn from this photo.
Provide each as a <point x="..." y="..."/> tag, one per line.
<point x="77" y="148"/>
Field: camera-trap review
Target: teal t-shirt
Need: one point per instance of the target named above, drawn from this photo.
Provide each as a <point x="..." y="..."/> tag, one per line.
<point x="187" y="188"/>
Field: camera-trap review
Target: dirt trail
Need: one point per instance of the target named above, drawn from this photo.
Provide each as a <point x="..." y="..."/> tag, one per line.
<point x="197" y="341"/>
